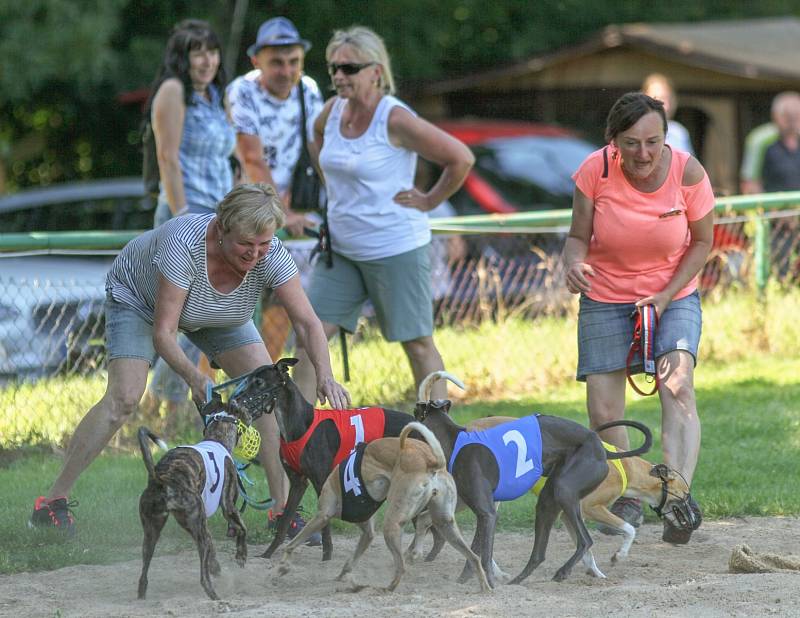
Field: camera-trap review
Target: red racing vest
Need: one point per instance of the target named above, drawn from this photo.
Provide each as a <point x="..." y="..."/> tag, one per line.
<point x="354" y="426"/>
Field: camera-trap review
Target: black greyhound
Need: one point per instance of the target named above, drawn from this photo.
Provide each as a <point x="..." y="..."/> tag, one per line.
<point x="573" y="460"/>
<point x="270" y="389"/>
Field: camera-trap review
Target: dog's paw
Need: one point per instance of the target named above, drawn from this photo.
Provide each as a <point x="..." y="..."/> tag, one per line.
<point x="241" y="560"/>
<point x="618" y="556"/>
<point x="213" y="567"/>
<point x="283" y="569"/>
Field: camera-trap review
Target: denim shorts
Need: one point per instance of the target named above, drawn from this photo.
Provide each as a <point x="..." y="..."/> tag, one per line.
<point x="130" y="335"/>
<point x="399" y="288"/>
<point x="605" y="331"/>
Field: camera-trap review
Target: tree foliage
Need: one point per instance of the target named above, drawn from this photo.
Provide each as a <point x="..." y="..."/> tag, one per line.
<point x="65" y="63"/>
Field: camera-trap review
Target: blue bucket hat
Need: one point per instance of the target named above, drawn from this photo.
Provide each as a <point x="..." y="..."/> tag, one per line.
<point x="277" y="32"/>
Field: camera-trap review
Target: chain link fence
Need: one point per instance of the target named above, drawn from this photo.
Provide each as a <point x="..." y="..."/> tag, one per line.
<point x="51" y="306"/>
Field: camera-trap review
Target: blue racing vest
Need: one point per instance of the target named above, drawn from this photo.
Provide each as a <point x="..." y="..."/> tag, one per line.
<point x="517" y="448"/>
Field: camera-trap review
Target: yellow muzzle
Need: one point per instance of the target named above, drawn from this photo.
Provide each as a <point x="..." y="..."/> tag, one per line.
<point x="249" y="441"/>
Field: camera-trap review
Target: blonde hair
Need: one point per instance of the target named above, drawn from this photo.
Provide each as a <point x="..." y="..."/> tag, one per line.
<point x="369" y="47"/>
<point x="251" y="209"/>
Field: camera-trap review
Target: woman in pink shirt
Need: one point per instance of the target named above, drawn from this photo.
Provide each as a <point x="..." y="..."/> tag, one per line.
<point x="642" y="227"/>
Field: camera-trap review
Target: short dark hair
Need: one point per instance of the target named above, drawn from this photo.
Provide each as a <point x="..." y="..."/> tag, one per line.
<point x="627" y="111"/>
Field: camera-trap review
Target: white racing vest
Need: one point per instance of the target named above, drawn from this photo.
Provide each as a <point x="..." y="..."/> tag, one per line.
<point x="214" y="455"/>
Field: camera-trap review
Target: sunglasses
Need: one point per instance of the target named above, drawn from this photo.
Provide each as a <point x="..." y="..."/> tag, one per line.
<point x="348" y="68"/>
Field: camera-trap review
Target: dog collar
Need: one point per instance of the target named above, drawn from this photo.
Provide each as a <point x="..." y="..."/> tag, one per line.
<point x="219" y="417"/>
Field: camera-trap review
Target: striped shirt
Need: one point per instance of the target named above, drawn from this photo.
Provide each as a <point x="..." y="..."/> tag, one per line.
<point x="177" y="250"/>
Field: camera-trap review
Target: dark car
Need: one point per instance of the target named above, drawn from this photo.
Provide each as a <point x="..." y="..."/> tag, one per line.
<point x="112" y="204"/>
<point x="519" y="166"/>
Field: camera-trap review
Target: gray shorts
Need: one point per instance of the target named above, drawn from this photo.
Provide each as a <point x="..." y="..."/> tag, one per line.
<point x="129" y="335"/>
<point x="399" y="288"/>
<point x="605" y="331"/>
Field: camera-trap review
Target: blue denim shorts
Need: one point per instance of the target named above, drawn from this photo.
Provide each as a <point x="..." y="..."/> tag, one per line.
<point x="130" y="335"/>
<point x="605" y="331"/>
<point x="399" y="288"/>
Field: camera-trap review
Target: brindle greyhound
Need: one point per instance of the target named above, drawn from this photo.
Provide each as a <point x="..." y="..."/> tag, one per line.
<point x="178" y="485"/>
<point x="572" y="458"/>
<point x="310" y="447"/>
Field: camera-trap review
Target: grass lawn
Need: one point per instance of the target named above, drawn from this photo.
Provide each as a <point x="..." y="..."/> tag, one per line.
<point x="749" y="465"/>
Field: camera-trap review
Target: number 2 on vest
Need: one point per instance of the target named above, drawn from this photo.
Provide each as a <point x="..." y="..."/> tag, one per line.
<point x="523" y="465"/>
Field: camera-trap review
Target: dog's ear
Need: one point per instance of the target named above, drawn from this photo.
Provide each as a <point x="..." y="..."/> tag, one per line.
<point x="661" y="471"/>
<point x="285" y="363"/>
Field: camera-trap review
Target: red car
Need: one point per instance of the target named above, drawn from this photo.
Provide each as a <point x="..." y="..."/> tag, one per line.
<point x="519" y="166"/>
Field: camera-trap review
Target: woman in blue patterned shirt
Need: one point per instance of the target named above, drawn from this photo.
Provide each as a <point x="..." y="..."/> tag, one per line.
<point x="194" y="141"/>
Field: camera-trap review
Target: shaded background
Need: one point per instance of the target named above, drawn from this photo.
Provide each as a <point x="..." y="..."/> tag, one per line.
<point x="73" y="72"/>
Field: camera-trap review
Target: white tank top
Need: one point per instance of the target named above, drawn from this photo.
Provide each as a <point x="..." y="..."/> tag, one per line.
<point x="214" y="456"/>
<point x="362" y="175"/>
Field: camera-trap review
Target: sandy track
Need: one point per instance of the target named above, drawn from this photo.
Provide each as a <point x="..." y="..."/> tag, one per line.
<point x="656" y="580"/>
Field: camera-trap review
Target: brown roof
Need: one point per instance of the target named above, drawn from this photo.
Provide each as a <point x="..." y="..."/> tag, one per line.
<point x="766" y="48"/>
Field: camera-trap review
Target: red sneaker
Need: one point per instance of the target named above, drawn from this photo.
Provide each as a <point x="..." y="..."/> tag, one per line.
<point x="55" y="513"/>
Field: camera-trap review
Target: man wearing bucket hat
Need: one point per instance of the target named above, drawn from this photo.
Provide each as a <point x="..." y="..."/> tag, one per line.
<point x="265" y="106"/>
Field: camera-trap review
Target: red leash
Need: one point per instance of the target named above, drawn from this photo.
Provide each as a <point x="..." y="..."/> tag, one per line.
<point x="644" y="344"/>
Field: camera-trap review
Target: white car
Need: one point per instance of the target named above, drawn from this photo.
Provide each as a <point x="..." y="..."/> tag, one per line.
<point x="51" y="305"/>
<point x="51" y="314"/>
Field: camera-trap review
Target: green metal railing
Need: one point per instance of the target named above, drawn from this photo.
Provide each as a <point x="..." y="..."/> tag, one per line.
<point x="751" y="206"/>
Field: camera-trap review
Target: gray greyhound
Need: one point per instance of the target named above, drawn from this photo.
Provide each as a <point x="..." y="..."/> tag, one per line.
<point x="313" y="441"/>
<point x="572" y="458"/>
<point x="187" y="482"/>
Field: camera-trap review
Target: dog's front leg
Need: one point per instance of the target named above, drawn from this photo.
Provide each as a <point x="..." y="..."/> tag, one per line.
<point x="364" y="541"/>
<point x="230" y="493"/>
<point x="483" y="544"/>
<point x="297" y="487"/>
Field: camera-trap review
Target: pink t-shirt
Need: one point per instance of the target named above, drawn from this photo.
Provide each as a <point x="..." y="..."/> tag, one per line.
<point x="634" y="250"/>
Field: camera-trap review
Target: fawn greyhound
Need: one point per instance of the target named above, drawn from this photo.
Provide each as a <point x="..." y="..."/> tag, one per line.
<point x="409" y="475"/>
<point x="570" y="455"/>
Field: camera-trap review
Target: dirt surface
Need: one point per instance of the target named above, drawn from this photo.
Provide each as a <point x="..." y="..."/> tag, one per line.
<point x="656" y="580"/>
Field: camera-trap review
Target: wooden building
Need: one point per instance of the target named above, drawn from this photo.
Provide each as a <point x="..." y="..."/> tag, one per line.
<point x="725" y="74"/>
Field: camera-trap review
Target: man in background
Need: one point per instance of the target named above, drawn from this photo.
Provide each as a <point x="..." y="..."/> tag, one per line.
<point x="266" y="114"/>
<point x="761" y="138"/>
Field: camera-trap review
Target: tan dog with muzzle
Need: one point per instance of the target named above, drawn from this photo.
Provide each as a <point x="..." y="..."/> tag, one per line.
<point x="657" y="485"/>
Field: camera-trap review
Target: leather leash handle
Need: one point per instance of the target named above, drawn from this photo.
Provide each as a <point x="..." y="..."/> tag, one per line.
<point x="643" y="343"/>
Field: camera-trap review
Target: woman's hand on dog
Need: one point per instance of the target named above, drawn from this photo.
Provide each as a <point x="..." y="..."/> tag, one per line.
<point x="334" y="393"/>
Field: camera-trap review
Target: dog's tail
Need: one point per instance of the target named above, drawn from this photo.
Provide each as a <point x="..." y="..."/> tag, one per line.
<point x="430" y="438"/>
<point x="648" y="438"/>
<point x="144" y="435"/>
<point x="425" y="387"/>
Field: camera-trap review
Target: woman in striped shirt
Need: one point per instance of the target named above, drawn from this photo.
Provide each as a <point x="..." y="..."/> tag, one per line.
<point x="202" y="275"/>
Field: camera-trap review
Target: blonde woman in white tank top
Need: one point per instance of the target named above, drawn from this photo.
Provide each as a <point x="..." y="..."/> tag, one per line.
<point x="368" y="142"/>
